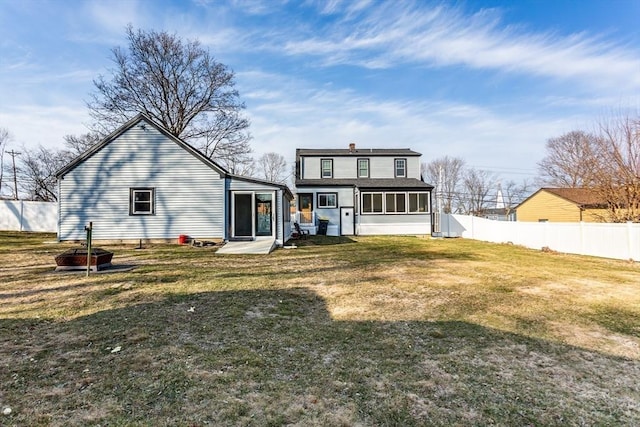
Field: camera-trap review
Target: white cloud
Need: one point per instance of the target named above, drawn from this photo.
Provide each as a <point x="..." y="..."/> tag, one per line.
<point x="32" y="125"/>
<point x="389" y="34"/>
<point x="301" y="116"/>
<point x="114" y="16"/>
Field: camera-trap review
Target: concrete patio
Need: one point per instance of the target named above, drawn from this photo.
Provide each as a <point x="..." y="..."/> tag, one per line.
<point x="260" y="246"/>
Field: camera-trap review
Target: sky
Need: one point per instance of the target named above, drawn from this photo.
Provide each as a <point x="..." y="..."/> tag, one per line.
<point x="489" y="81"/>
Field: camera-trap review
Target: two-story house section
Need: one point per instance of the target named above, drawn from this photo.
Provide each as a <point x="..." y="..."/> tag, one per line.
<point x="362" y="191"/>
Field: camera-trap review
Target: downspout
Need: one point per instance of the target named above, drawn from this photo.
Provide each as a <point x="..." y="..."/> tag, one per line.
<point x="59" y="205"/>
<point x="356" y="210"/>
<point x="227" y="209"/>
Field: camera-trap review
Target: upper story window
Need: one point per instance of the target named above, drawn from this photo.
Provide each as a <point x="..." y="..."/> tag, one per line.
<point x="142" y="201"/>
<point x="363" y="168"/>
<point x="401" y="168"/>
<point x="326" y="169"/>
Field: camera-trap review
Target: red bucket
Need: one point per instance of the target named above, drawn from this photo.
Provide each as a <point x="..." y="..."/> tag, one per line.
<point x="182" y="239"/>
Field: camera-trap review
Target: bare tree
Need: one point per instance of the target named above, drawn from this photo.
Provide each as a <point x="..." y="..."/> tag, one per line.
<point x="273" y="167"/>
<point x="227" y="134"/>
<point x="78" y="144"/>
<point x="178" y="84"/>
<point x="617" y="174"/>
<point x="514" y="193"/>
<point x="445" y="174"/>
<point x="236" y="162"/>
<point x="36" y="172"/>
<point x="607" y="161"/>
<point x="570" y="160"/>
<point x="476" y="186"/>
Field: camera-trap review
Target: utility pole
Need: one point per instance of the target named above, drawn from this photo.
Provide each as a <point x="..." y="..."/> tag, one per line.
<point x="13" y="155"/>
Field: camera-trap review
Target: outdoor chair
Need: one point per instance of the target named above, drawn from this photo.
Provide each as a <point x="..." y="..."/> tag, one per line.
<point x="301" y="234"/>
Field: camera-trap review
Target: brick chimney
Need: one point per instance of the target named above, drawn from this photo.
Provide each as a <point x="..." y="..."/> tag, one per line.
<point x="352" y="147"/>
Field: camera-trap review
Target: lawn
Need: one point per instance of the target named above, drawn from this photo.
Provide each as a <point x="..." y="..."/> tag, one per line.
<point x="364" y="331"/>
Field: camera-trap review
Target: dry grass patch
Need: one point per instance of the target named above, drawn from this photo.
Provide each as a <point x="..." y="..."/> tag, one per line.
<point x="378" y="331"/>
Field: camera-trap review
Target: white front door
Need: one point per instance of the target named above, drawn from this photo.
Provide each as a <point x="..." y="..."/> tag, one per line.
<point x="346" y="222"/>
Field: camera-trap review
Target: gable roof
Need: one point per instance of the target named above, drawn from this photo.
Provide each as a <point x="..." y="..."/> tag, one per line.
<point x="125" y="127"/>
<point x="357" y="152"/>
<point x="582" y="197"/>
<point x="189" y="148"/>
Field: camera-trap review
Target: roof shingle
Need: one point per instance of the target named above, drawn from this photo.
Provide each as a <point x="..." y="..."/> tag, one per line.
<point x="365" y="183"/>
<point x="357" y="152"/>
<point x="585" y="197"/>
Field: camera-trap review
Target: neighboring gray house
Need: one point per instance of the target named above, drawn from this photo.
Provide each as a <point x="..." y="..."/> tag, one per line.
<point x="362" y="191"/>
<point x="141" y="182"/>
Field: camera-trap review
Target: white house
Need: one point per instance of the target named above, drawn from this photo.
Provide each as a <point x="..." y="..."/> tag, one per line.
<point x="141" y="182"/>
<point x="362" y="191"/>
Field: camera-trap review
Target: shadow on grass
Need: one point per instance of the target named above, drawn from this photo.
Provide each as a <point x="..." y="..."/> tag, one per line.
<point x="277" y="357"/>
<point x="321" y="240"/>
<point x="617" y="319"/>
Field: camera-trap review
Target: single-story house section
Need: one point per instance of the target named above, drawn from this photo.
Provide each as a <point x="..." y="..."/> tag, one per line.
<point x="141" y="182"/>
<point x="562" y="205"/>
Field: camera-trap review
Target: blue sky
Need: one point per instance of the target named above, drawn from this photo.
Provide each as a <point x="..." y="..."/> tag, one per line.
<point x="489" y="81"/>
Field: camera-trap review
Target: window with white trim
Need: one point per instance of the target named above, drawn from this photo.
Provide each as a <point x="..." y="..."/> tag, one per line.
<point x="327" y="200"/>
<point x="371" y="202"/>
<point x="396" y="202"/>
<point x="401" y="168"/>
<point x="326" y="168"/>
<point x="419" y="203"/>
<point x="363" y="168"/>
<point x="142" y="201"/>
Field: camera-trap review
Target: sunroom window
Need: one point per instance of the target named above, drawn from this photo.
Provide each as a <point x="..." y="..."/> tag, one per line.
<point x="418" y="202"/>
<point x="371" y="202"/>
<point x="396" y="202"/>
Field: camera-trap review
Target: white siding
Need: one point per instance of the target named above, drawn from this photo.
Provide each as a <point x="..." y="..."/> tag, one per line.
<point x="381" y="167"/>
<point x="189" y="195"/>
<point x="345" y="198"/>
<point x="416" y="224"/>
<point x="311" y="167"/>
<point x="346" y="167"/>
<point x="413" y="167"/>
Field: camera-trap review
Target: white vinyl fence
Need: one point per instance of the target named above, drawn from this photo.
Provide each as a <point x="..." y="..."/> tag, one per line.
<point x="22" y="215"/>
<point x="619" y="241"/>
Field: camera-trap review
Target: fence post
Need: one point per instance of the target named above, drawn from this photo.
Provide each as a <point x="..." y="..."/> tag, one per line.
<point x="21" y="215"/>
<point x="629" y="241"/>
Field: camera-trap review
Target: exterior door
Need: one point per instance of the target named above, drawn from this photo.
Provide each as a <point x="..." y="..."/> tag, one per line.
<point x="242" y="215"/>
<point x="346" y="222"/>
<point x="264" y="215"/>
<point x="305" y="206"/>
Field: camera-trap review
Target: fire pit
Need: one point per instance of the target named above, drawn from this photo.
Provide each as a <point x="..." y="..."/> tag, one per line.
<point x="76" y="259"/>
